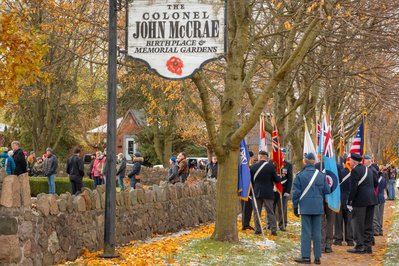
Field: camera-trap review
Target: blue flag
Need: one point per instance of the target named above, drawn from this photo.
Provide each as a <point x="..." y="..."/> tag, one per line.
<point x="244" y="175"/>
<point x="331" y="171"/>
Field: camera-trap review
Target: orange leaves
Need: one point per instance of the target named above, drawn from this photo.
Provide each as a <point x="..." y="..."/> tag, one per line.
<point x="156" y="252"/>
<point x="287" y="25"/>
<point x="21" y="53"/>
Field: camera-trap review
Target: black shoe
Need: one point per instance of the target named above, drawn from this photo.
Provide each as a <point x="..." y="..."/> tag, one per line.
<point x="248" y="228"/>
<point x="317" y="261"/>
<point x="350" y="244"/>
<point x="368" y="250"/>
<point x="381" y="233"/>
<point x="357" y="250"/>
<point x="302" y="260"/>
<point x="274" y="233"/>
<point x="337" y="243"/>
<point x="328" y="250"/>
<point x="258" y="232"/>
<point x="282" y="229"/>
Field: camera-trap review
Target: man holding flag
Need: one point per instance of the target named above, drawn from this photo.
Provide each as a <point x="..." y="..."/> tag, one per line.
<point x="362" y="200"/>
<point x="263" y="175"/>
<point x="333" y="174"/>
<point x="244" y="185"/>
<point x="280" y="204"/>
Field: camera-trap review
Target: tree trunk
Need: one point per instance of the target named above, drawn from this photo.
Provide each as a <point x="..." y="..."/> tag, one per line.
<point x="226" y="199"/>
<point x="167" y="151"/>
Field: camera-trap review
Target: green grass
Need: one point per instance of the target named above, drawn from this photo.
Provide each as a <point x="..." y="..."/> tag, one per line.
<point x="391" y="257"/>
<point x="251" y="250"/>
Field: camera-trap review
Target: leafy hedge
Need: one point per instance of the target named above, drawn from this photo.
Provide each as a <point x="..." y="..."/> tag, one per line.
<point x="39" y="185"/>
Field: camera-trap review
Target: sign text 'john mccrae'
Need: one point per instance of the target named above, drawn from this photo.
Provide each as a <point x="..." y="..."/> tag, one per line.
<point x="176" y="37"/>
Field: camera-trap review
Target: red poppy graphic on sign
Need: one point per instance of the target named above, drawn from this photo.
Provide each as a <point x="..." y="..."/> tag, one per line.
<point x="175" y="65"/>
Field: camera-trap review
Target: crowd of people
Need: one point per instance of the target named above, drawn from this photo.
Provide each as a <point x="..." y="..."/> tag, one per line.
<point x="17" y="162"/>
<point x="363" y="185"/>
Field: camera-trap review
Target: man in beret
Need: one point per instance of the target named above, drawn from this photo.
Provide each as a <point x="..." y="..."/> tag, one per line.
<point x="263" y="176"/>
<point x="310" y="187"/>
<point x="286" y="176"/>
<point x="362" y="200"/>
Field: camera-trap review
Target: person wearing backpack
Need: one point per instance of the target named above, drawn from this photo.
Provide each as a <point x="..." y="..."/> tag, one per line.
<point x="134" y="175"/>
<point x="7" y="162"/>
<point x="310" y="187"/>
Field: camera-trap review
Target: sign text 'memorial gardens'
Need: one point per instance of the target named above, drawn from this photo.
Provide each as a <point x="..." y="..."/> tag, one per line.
<point x="176" y="37"/>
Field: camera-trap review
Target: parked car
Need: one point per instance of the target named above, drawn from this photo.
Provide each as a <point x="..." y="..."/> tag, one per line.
<point x="197" y="162"/>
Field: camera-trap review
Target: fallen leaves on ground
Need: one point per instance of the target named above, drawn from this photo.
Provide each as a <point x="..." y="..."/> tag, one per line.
<point x="194" y="247"/>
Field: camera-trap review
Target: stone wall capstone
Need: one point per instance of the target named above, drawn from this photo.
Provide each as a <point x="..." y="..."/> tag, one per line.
<point x="53" y="228"/>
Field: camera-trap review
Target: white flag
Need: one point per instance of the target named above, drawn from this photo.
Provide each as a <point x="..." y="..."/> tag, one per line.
<point x="308" y="143"/>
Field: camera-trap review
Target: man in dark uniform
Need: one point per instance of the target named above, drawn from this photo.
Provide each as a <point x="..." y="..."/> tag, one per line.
<point x="286" y="175"/>
<point x="362" y="199"/>
<point x="246" y="206"/>
<point x="328" y="220"/>
<point x="263" y="176"/>
<point x="344" y="217"/>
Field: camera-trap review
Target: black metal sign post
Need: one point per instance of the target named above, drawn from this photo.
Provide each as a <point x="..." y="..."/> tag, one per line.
<point x="110" y="193"/>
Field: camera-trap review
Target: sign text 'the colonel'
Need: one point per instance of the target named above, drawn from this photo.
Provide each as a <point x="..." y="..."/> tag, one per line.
<point x="176" y="37"/>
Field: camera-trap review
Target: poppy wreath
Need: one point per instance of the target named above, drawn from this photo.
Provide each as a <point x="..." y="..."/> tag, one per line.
<point x="175" y="65"/>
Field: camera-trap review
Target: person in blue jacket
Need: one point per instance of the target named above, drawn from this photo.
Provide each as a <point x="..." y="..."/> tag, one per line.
<point x="378" y="219"/>
<point x="310" y="187"/>
<point x="7" y="161"/>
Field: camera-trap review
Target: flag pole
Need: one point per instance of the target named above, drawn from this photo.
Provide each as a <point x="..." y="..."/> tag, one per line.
<point x="279" y="171"/>
<point x="321" y="144"/>
<point x="257" y="211"/>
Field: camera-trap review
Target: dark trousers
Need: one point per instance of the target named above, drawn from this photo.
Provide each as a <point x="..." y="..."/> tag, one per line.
<point x="271" y="218"/>
<point x="278" y="209"/>
<point x="310" y="230"/>
<point x="362" y="226"/>
<point x="327" y="230"/>
<point x="76" y="186"/>
<point x="246" y="212"/>
<point x="378" y="220"/>
<point x="343" y="227"/>
<point x="133" y="182"/>
<point x="98" y="181"/>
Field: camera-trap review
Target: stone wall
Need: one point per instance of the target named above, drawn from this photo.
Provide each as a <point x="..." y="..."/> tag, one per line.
<point x="50" y="228"/>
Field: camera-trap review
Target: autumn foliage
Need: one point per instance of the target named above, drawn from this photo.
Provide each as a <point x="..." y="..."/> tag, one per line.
<point x="21" y="53"/>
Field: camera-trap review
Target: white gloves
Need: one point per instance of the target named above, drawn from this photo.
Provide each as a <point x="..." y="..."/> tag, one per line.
<point x="286" y="194"/>
<point x="350" y="208"/>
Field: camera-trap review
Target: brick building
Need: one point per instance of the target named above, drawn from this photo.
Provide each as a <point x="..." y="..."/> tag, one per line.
<point x="127" y="128"/>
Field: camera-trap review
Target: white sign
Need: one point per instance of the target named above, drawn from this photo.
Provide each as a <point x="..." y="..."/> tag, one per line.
<point x="176" y="37"/>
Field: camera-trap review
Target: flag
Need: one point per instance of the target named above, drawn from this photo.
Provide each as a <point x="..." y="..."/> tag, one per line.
<point x="262" y="134"/>
<point x="244" y="175"/>
<point x="331" y="171"/>
<point x="330" y="168"/>
<point x="358" y="143"/>
<point x="276" y="155"/>
<point x="328" y="143"/>
<point x="319" y="138"/>
<point x="308" y="143"/>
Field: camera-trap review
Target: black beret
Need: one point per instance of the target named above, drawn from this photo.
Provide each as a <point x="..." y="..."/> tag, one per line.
<point x="356" y="157"/>
<point x="310" y="156"/>
<point x="263" y="153"/>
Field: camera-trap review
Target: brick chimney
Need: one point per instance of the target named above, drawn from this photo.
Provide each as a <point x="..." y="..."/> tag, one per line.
<point x="103" y="116"/>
